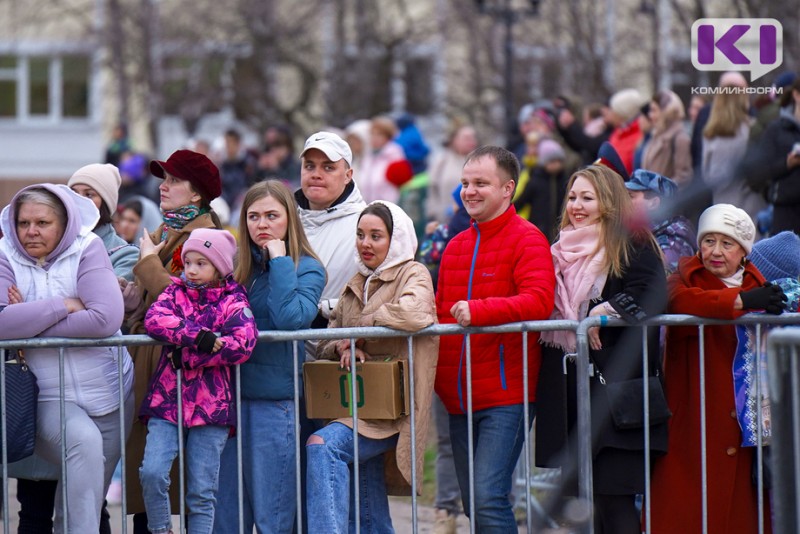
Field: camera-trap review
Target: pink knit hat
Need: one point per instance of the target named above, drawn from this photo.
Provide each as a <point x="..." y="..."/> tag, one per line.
<point x="218" y="246"/>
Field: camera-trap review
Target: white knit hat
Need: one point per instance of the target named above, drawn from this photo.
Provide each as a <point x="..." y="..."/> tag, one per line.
<point x="627" y="104"/>
<point x="728" y="220"/>
<point x="103" y="178"/>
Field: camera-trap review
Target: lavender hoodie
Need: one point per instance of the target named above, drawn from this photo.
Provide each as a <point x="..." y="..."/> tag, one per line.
<point x="91" y="374"/>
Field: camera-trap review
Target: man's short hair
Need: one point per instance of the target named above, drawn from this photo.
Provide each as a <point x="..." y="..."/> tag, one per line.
<point x="506" y="161"/>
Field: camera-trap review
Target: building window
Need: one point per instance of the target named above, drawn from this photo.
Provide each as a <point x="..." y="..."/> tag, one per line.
<point x="45" y="87"/>
<point x="75" y="86"/>
<point x="8" y="86"/>
<point x="39" y="86"/>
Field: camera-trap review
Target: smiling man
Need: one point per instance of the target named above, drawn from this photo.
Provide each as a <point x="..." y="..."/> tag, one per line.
<point x="498" y="271"/>
<point x="329" y="204"/>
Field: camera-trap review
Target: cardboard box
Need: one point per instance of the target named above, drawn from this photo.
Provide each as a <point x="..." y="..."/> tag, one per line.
<point x="382" y="389"/>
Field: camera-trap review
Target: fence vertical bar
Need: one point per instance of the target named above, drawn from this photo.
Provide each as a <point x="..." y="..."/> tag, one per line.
<point x="4" y="437"/>
<point x="62" y="405"/>
<point x="759" y="424"/>
<point x="297" y="471"/>
<point x="646" y="396"/>
<point x="470" y="437"/>
<point x="526" y="421"/>
<point x="703" y="437"/>
<point x="796" y="432"/>
<point x="354" y="406"/>
<point x="412" y="404"/>
<point x="239" y="456"/>
<point x="181" y="458"/>
<point x="123" y="435"/>
<point x="584" y="421"/>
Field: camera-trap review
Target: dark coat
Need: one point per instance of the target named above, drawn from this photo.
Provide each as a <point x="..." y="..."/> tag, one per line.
<point x="618" y="454"/>
<point x="765" y="169"/>
<point x="544" y="193"/>
<point x="676" y="483"/>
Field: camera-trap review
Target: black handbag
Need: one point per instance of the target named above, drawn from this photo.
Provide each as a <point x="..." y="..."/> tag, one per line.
<point x="626" y="402"/>
<point x="22" y="396"/>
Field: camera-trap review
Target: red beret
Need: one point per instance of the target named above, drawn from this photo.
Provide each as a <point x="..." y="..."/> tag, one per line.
<point x="193" y="167"/>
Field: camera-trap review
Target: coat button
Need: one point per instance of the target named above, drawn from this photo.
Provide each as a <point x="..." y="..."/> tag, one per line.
<point x="731" y="451"/>
<point x="733" y="414"/>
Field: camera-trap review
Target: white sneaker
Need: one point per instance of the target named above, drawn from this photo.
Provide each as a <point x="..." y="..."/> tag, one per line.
<point x="445" y="523"/>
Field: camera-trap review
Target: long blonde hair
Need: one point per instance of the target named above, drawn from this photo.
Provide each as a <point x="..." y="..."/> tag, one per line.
<point x="297" y="244"/>
<point x="728" y="113"/>
<point x="616" y="217"/>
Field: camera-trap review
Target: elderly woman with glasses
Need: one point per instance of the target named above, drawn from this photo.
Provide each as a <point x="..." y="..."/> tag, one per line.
<point x="720" y="283"/>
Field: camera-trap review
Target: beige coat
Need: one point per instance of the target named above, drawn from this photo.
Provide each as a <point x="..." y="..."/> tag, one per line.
<point x="152" y="277"/>
<point x="668" y="153"/>
<point x="400" y="297"/>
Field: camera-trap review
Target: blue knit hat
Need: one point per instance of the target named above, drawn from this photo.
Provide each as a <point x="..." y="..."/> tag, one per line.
<point x="457" y="197"/>
<point x="778" y="256"/>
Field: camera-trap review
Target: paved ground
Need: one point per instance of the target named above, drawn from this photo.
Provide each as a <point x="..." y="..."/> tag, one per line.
<point x="401" y="517"/>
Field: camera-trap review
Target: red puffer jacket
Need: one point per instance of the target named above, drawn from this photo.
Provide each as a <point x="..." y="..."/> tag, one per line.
<point x="505" y="270"/>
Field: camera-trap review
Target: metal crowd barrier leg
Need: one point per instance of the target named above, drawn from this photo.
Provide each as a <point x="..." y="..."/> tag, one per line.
<point x="63" y="419"/>
<point x="123" y="434"/>
<point x="703" y="436"/>
<point x="299" y="483"/>
<point x="4" y="436"/>
<point x="526" y="421"/>
<point x="584" y="422"/>
<point x="181" y="457"/>
<point x="354" y="405"/>
<point x="412" y="404"/>
<point x="239" y="462"/>
<point x="646" y="396"/>
<point x="759" y="444"/>
<point x="470" y="437"/>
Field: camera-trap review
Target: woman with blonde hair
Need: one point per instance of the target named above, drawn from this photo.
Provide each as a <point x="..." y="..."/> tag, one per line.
<point x="668" y="152"/>
<point x="725" y="140"/>
<point x="607" y="267"/>
<point x="284" y="280"/>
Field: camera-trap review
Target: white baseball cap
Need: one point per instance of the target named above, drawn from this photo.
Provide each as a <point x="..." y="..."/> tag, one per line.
<point x="331" y="145"/>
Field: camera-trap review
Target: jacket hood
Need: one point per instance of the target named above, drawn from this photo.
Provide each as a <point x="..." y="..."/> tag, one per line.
<point x="82" y="217"/>
<point x="403" y="245"/>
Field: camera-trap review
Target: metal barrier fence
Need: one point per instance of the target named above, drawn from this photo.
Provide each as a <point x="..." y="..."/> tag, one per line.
<point x="583" y="428"/>
<point x="784" y="391"/>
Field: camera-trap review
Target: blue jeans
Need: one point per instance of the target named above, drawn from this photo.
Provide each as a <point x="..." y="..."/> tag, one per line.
<point x="498" y="436"/>
<point x="268" y="471"/>
<point x="330" y="490"/>
<point x="202" y="451"/>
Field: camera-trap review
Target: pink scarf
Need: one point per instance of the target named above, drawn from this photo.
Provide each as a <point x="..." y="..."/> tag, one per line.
<point x="580" y="278"/>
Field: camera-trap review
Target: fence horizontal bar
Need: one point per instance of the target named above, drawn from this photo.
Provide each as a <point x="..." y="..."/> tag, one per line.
<point x="299" y="335"/>
<point x="435" y="330"/>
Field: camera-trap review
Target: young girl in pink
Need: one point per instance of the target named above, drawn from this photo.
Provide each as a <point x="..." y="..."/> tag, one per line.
<point x="205" y="320"/>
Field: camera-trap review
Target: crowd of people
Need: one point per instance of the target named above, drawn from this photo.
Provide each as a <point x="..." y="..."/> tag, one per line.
<point x="603" y="216"/>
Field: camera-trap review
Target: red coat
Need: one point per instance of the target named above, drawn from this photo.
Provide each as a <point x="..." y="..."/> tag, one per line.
<point x="625" y="139"/>
<point x="513" y="280"/>
<point x="677" y="477"/>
